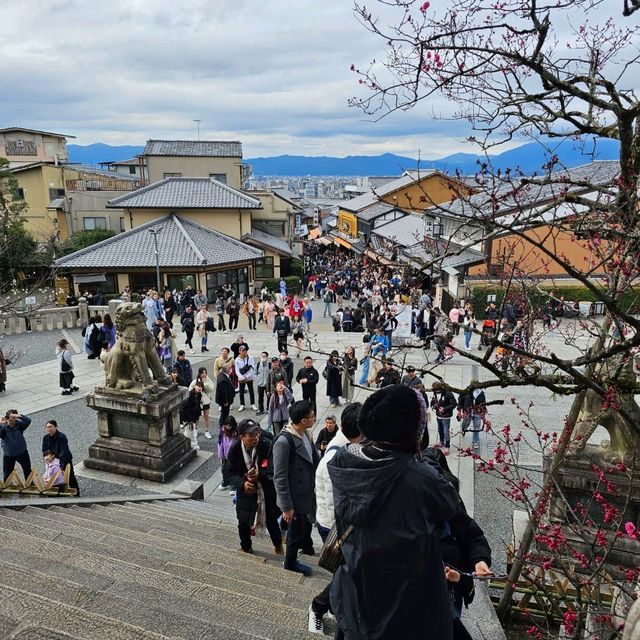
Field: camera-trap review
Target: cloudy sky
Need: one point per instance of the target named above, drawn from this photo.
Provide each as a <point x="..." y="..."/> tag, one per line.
<point x="273" y="74"/>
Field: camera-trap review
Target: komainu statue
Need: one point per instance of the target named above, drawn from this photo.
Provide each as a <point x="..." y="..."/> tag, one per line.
<point x="128" y="363"/>
<point x="597" y="411"/>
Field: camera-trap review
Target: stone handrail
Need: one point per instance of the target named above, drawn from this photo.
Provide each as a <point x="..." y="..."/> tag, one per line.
<point x="48" y="319"/>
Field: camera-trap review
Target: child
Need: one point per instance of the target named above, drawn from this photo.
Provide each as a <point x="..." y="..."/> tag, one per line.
<point x="52" y="469"/>
<point x="227" y="436"/>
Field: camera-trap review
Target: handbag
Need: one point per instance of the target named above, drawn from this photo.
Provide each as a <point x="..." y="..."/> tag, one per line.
<point x="64" y="365"/>
<point x="209" y="325"/>
<point x="331" y="554"/>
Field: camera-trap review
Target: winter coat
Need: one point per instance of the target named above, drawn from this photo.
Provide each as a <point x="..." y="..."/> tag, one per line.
<point x="188" y="322"/>
<point x="392" y="583"/>
<point x="387" y="377"/>
<point x="225" y="393"/>
<point x="279" y="406"/>
<point x="190" y="410"/>
<point x="185" y="373"/>
<point x="50" y="470"/>
<point x="59" y="444"/>
<point x="208" y="389"/>
<point x="312" y="376"/>
<point x="234" y="472"/>
<point x="13" y="442"/>
<point x="334" y="379"/>
<point x="287" y="365"/>
<point x="325" y="515"/>
<point x="262" y="373"/>
<point x="250" y="373"/>
<point x="275" y="376"/>
<point x="444" y="400"/>
<point x="282" y="327"/>
<point x="295" y="482"/>
<point x="466" y="402"/>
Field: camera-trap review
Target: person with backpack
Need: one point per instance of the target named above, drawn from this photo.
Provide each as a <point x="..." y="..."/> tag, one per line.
<point x="294" y="465"/>
<point x="246" y="470"/>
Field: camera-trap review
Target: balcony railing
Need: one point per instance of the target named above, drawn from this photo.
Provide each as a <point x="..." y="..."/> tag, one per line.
<point x="20" y="148"/>
<point x="102" y="184"/>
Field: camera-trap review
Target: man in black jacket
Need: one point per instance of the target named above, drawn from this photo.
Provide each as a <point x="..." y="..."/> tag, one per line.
<point x="183" y="366"/>
<point x="245" y="469"/>
<point x="444" y="404"/>
<point x="188" y="322"/>
<point x="308" y="377"/>
<point x="387" y="375"/>
<point x="54" y="440"/>
<point x="287" y="364"/>
<point x="225" y="393"/>
<point x="282" y="329"/>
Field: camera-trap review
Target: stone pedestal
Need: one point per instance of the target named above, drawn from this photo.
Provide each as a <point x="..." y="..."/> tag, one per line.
<point x="577" y="482"/>
<point x="139" y="435"/>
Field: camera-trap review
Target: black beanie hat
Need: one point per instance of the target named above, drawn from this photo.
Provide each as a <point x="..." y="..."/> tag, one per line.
<point x="391" y="414"/>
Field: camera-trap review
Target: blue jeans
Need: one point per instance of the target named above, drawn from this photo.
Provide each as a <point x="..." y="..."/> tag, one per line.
<point x="327" y="309"/>
<point x="477" y="425"/>
<point x="467" y="339"/>
<point x="444" y="425"/>
<point x="365" y="371"/>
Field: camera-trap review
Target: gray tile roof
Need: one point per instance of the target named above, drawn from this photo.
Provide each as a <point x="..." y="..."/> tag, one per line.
<point x="506" y="196"/>
<point x="186" y="193"/>
<point x="373" y="211"/>
<point x="194" y="148"/>
<point x="406" y="231"/>
<point x="421" y="255"/>
<point x="264" y="239"/>
<point x="181" y="243"/>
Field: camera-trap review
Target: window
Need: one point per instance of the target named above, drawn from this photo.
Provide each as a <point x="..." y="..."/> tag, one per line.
<point x="179" y="282"/>
<point x="90" y="224"/>
<point x="132" y="170"/>
<point x="122" y="225"/>
<point x="274" y="227"/>
<point x="20" y="193"/>
<point x="220" y="177"/>
<point x="264" y="268"/>
<point x="237" y="278"/>
<point x="56" y="193"/>
<point x="142" y="282"/>
<point x="173" y="175"/>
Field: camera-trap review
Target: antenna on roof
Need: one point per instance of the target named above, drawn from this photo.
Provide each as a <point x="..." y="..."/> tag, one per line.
<point x="197" y="121"/>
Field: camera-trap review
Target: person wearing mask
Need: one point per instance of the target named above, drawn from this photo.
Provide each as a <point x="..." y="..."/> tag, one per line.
<point x="225" y="392"/>
<point x="245" y="370"/>
<point x="14" y="446"/>
<point x="308" y="377"/>
<point x="262" y="381"/>
<point x="389" y="546"/>
<point x="56" y="441"/>
<point x="443" y="403"/>
<point x="325" y="517"/>
<point x="282" y="329"/>
<point x="245" y="470"/>
<point x="188" y="322"/>
<point x="294" y="464"/>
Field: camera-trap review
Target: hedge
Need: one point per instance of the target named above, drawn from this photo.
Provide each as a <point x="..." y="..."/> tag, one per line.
<point x="292" y="282"/>
<point x="629" y="301"/>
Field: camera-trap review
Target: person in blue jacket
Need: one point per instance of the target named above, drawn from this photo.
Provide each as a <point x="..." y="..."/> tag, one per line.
<point x="14" y="446"/>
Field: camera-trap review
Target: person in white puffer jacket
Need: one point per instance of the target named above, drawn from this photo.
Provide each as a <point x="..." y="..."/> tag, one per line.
<point x="325" y="516"/>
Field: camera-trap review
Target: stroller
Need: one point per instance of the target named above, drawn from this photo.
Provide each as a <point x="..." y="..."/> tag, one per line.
<point x="488" y="330"/>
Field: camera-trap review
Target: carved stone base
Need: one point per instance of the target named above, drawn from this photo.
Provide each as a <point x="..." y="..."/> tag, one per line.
<point x="139" y="437"/>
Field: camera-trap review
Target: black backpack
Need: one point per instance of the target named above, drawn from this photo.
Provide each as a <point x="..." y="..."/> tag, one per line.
<point x="292" y="451"/>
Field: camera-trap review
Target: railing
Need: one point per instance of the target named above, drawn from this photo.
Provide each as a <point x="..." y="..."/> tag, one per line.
<point x="102" y="184"/>
<point x="47" y="319"/>
<point x="35" y="484"/>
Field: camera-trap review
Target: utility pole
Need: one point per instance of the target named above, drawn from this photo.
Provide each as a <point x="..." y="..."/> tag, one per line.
<point x="154" y="233"/>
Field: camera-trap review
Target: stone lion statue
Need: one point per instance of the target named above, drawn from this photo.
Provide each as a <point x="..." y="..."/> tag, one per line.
<point x="128" y="363"/>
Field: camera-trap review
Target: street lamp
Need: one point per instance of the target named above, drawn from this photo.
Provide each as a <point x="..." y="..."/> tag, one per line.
<point x="154" y="233"/>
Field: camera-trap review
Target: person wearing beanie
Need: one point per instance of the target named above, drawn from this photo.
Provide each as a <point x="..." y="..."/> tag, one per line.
<point x="395" y="504"/>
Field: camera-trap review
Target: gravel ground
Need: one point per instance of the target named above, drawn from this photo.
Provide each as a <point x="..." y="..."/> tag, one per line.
<point x="37" y="346"/>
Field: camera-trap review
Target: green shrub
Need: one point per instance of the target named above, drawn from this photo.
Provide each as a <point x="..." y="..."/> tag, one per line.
<point x="296" y="267"/>
<point x="272" y="284"/>
<point x="293" y="284"/>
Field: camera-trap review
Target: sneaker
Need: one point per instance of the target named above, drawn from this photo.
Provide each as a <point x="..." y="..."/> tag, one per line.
<point x="191" y="351"/>
<point x="241" y="407"/>
<point x="298" y="567"/>
<point x="207" y="435"/>
<point x="253" y="406"/>
<point x="316" y="623"/>
<point x="75" y="388"/>
<point x="261" y="412"/>
<point x="246" y="550"/>
<point x="476" y="446"/>
<point x="66" y="392"/>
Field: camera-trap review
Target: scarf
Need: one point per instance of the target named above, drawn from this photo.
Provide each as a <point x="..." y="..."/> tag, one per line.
<point x="250" y="461"/>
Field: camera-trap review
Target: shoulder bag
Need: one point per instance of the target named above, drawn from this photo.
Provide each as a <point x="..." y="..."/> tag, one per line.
<point x="331" y="553"/>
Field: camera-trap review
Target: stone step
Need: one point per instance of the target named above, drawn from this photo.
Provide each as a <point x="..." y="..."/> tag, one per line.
<point x="140" y="584"/>
<point x="31" y="610"/>
<point x="94" y="556"/>
<point x="150" y="617"/>
<point x="38" y="633"/>
<point x="155" y="552"/>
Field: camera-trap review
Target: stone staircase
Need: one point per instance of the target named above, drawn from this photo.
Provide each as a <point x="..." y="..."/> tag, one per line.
<point x="165" y="569"/>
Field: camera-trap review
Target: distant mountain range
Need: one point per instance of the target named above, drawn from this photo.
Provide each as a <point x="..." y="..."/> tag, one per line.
<point x="528" y="157"/>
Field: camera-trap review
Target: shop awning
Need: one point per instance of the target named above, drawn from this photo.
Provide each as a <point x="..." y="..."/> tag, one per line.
<point x="342" y="243"/>
<point x="374" y="256"/>
<point x="90" y="277"/>
<point x="314" y="233"/>
<point x="324" y="240"/>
